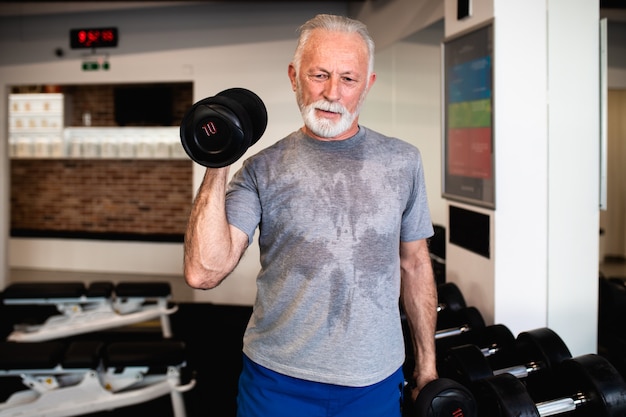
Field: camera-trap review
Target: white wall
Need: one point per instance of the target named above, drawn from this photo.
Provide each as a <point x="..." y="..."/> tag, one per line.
<point x="215" y="46"/>
<point x="406" y="102"/>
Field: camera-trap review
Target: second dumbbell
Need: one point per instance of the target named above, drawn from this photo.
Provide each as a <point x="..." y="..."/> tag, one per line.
<point x="538" y="353"/>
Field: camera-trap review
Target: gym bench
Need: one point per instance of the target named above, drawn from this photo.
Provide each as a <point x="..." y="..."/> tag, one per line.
<point x="84" y="376"/>
<point x="84" y="309"/>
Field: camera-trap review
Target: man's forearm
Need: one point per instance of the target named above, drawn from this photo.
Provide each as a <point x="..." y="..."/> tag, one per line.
<point x="419" y="297"/>
<point x="211" y="251"/>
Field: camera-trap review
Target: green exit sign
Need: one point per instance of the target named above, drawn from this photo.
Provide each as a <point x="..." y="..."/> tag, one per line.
<point x="95" y="66"/>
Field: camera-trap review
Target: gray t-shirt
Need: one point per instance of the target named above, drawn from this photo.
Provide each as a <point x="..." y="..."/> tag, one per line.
<point x="331" y="216"/>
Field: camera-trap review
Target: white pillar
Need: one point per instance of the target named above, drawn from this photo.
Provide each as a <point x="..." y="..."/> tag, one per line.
<point x="543" y="266"/>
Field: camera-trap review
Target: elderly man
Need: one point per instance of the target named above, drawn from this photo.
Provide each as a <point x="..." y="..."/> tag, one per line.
<point x="343" y="220"/>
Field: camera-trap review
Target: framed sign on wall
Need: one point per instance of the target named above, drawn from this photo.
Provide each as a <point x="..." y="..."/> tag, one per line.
<point x="468" y="143"/>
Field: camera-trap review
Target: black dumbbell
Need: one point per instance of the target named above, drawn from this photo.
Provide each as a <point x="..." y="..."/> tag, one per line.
<point x="440" y="398"/>
<point x="469" y="319"/>
<point x="589" y="386"/>
<point x="450" y="298"/>
<point x="457" y="322"/>
<point x="217" y="131"/>
<point x="537" y="352"/>
<point x="495" y="341"/>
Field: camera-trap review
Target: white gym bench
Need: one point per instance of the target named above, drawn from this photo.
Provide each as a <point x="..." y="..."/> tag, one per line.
<point x="81" y="377"/>
<point x="85" y="309"/>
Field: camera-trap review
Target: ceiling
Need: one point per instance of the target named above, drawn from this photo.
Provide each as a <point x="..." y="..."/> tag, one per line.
<point x="611" y="9"/>
<point x="20" y="8"/>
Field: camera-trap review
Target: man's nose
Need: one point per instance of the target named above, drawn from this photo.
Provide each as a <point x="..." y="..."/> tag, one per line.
<point x="332" y="89"/>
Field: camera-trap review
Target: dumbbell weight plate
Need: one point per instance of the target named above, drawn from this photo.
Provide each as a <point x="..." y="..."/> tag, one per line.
<point x="450" y="297"/>
<point x="442" y="398"/>
<point x="254" y="108"/>
<point x="503" y="396"/>
<point x="469" y="316"/>
<point x="218" y="130"/>
<point x="599" y="381"/>
<point x="213" y="135"/>
<point x="545" y="346"/>
<point x="465" y="364"/>
<point x="542" y="343"/>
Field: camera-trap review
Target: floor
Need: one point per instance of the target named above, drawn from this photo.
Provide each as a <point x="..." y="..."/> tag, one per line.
<point x="212" y="335"/>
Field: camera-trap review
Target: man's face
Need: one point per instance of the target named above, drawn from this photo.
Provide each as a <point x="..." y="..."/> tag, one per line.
<point x="332" y="83"/>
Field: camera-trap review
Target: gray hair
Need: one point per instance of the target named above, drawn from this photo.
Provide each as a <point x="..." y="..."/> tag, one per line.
<point x="333" y="23"/>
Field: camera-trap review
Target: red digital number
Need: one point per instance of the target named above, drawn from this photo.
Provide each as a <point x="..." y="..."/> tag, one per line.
<point x="93" y="38"/>
<point x="107" y="35"/>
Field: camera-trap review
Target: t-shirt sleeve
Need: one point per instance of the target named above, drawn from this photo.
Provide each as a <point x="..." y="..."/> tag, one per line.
<point x="416" y="220"/>
<point x="243" y="207"/>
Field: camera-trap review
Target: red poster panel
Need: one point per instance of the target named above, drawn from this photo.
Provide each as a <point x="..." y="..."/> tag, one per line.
<point x="469" y="152"/>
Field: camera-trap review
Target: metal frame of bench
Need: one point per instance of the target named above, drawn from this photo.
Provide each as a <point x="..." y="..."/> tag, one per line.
<point x="83" y="309"/>
<point x="87" y="376"/>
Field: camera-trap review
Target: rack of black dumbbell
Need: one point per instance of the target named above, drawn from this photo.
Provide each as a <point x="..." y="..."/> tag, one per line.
<point x="533" y="374"/>
<point x="611" y="324"/>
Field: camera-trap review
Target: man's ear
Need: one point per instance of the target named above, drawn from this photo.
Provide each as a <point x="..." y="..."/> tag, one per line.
<point x="291" y="71"/>
<point x="371" y="80"/>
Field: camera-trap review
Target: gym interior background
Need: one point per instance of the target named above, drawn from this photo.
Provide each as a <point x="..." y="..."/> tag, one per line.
<point x="94" y="232"/>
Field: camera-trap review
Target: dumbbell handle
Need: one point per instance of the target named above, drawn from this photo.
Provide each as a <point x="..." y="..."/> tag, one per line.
<point x="560" y="406"/>
<point x="453" y="331"/>
<point x="491" y="350"/>
<point x="520" y="371"/>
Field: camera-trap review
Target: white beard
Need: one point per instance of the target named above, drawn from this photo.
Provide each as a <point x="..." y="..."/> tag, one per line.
<point x="323" y="127"/>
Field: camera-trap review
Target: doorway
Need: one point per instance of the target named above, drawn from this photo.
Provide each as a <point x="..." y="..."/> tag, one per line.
<point x="613" y="219"/>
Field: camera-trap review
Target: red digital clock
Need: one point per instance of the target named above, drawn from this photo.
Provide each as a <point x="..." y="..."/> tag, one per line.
<point x="93" y="38"/>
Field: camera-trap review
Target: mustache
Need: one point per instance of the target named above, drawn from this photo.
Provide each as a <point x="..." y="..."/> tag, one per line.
<point x="328" y="106"/>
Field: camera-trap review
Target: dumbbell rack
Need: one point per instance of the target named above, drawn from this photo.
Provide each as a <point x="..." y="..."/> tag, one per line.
<point x="531" y="375"/>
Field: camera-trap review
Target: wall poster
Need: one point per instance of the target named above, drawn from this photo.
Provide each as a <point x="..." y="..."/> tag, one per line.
<point x="468" y="118"/>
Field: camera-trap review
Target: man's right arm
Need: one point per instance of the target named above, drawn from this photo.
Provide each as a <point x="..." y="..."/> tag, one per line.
<point x="213" y="247"/>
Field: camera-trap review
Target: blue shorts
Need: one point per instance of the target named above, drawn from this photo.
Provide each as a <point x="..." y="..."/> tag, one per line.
<point x="265" y="393"/>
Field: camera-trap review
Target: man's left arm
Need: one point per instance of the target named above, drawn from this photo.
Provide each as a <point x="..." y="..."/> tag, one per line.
<point x="419" y="299"/>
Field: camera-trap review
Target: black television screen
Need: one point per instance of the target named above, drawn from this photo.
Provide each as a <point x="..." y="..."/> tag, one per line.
<point x="470" y="230"/>
<point x="150" y="105"/>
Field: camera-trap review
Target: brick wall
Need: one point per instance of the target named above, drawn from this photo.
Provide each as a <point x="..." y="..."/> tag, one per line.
<point x="98" y="100"/>
<point x="129" y="199"/>
<point x="102" y="198"/>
